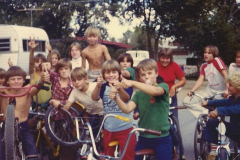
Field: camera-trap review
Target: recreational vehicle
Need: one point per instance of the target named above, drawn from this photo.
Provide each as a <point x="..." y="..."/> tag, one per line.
<point x="138" y="55"/>
<point x="14" y="45"/>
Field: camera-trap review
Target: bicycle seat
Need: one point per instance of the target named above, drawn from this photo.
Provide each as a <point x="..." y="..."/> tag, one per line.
<point x="113" y="143"/>
<point x="144" y="152"/>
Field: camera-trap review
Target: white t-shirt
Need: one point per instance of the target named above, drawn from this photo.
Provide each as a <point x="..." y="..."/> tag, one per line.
<point x="233" y="68"/>
<point x="93" y="107"/>
<point x="78" y="63"/>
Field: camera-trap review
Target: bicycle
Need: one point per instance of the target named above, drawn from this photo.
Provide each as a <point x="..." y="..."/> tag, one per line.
<point x="13" y="144"/>
<point x="201" y="147"/>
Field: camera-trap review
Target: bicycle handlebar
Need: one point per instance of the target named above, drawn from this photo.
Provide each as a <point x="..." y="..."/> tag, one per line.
<point x="150" y="131"/>
<point x="122" y="118"/>
<point x="39" y="86"/>
<point x="178" y="107"/>
<point x="207" y="97"/>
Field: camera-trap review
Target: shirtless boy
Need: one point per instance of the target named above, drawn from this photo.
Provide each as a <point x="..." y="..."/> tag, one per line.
<point x="94" y="53"/>
<point x="15" y="77"/>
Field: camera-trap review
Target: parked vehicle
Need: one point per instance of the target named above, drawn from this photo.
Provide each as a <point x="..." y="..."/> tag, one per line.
<point x="14" y="44"/>
<point x="138" y="55"/>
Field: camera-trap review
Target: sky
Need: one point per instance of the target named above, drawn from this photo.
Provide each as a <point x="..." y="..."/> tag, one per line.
<point x="116" y="30"/>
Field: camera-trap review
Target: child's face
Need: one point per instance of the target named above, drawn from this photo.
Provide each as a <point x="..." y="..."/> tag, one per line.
<point x="75" y="52"/>
<point x="80" y="84"/>
<point x="54" y="59"/>
<point x="2" y="81"/>
<point x="148" y="76"/>
<point x="125" y="64"/>
<point x="164" y="60"/>
<point x="92" y="39"/>
<point x="64" y="72"/>
<point x="232" y="90"/>
<point x="111" y="76"/>
<point x="16" y="81"/>
<point x="208" y="56"/>
<point x="37" y="63"/>
<point x="238" y="59"/>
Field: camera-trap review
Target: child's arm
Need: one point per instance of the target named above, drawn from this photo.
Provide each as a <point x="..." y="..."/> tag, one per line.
<point x="95" y="94"/>
<point x="83" y="59"/>
<point x="49" y="56"/>
<point x="197" y="84"/>
<point x="126" y="74"/>
<point x="122" y="93"/>
<point x="148" y="89"/>
<point x="106" y="53"/>
<point x="32" y="45"/>
<point x="181" y="82"/>
<point x="126" y="108"/>
<point x="10" y="63"/>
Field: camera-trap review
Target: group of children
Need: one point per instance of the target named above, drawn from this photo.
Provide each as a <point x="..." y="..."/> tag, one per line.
<point x="107" y="88"/>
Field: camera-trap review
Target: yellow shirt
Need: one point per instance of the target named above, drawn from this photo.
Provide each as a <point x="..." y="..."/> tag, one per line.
<point x="43" y="96"/>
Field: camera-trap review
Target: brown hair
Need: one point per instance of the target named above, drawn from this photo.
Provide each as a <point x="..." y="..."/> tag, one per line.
<point x="92" y="30"/>
<point x="146" y="64"/>
<point x="128" y="56"/>
<point x="78" y="73"/>
<point x="40" y="56"/>
<point x="57" y="53"/>
<point x="111" y="65"/>
<point x="15" y="71"/>
<point x="213" y="49"/>
<point x="166" y="52"/>
<point x="74" y="44"/>
<point x="2" y="73"/>
<point x="63" y="63"/>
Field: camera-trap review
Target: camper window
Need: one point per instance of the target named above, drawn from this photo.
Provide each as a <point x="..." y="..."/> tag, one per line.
<point x="40" y="48"/>
<point x="5" y="45"/>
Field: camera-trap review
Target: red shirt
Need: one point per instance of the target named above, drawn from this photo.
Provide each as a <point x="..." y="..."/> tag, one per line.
<point x="170" y="73"/>
<point x="58" y="92"/>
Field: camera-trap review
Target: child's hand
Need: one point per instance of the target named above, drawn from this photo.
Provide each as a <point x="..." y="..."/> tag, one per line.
<point x="32" y="43"/>
<point x="225" y="94"/>
<point x="190" y="93"/>
<point x="55" y="103"/>
<point x="204" y="103"/>
<point x="125" y="83"/>
<point x="49" y="47"/>
<point x="172" y="92"/>
<point x="113" y="92"/>
<point x="99" y="81"/>
<point x="136" y="115"/>
<point x="45" y="76"/>
<point x="10" y="63"/>
<point x="117" y="84"/>
<point x="213" y="114"/>
<point x="46" y="66"/>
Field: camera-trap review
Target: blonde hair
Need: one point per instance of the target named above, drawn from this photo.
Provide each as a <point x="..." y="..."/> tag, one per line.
<point x="78" y="73"/>
<point x="92" y="31"/>
<point x="63" y="63"/>
<point x="234" y="79"/>
<point x="111" y="65"/>
<point x="77" y="45"/>
<point x="146" y="64"/>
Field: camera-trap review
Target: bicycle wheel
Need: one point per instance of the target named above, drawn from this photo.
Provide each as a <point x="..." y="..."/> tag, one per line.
<point x="61" y="127"/>
<point x="10" y="134"/>
<point x="201" y="147"/>
<point x="177" y="146"/>
<point x="223" y="155"/>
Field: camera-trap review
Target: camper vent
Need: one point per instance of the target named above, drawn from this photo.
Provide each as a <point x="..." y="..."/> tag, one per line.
<point x="40" y="48"/>
<point x="5" y="45"/>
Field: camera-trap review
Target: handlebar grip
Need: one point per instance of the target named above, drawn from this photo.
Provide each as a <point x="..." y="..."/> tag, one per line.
<point x="122" y="118"/>
<point x="158" y="133"/>
<point x="46" y="88"/>
<point x="47" y="82"/>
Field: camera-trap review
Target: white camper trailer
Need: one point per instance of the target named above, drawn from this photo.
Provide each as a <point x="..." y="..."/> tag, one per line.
<point x="138" y="55"/>
<point x="14" y="44"/>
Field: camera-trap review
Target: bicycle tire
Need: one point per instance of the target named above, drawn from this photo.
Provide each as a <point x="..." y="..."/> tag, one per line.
<point x="177" y="132"/>
<point x="63" y="130"/>
<point x="10" y="134"/>
<point x="223" y="155"/>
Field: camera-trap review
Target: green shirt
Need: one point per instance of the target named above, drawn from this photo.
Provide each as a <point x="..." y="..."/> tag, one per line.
<point x="132" y="73"/>
<point x="153" y="111"/>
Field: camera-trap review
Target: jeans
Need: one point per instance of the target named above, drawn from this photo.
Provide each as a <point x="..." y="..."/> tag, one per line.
<point x="162" y="147"/>
<point x="211" y="133"/>
<point x="95" y="122"/>
<point x="28" y="143"/>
